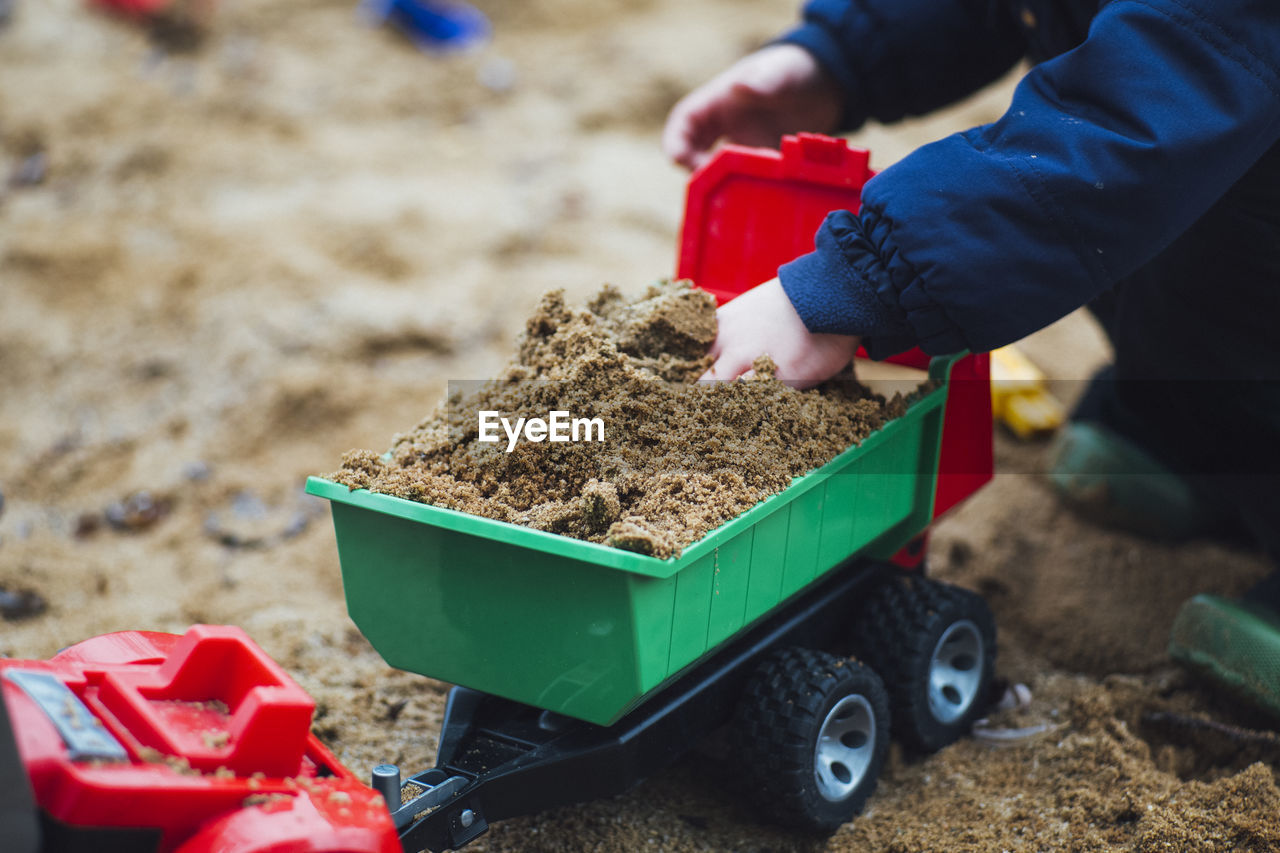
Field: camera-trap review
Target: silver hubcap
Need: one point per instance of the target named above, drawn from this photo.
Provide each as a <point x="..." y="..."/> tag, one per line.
<point x="846" y="743"/>
<point x="955" y="671"/>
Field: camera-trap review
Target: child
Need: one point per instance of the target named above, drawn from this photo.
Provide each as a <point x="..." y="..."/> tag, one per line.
<point x="1137" y="171"/>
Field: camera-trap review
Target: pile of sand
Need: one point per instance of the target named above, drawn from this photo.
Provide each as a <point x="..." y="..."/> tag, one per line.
<point x="679" y="457"/>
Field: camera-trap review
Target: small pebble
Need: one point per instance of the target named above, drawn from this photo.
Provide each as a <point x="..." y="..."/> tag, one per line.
<point x="960" y="553"/>
<point x="137" y="512"/>
<point x="87" y="524"/>
<point x="16" y="605"/>
<point x="252" y="523"/>
<point x="196" y="472"/>
<point x="176" y="33"/>
<point x="497" y="74"/>
<point x="30" y="171"/>
<point x="296" y="526"/>
<point x="1015" y="696"/>
<point x="247" y="505"/>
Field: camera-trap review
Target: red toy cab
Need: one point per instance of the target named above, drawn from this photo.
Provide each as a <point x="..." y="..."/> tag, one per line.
<point x="198" y="743"/>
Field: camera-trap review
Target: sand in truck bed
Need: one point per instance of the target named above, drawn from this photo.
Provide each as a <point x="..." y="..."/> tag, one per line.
<point x="678" y="457"/>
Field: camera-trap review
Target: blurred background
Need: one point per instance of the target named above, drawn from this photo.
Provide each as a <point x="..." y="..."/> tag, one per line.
<point x="240" y="238"/>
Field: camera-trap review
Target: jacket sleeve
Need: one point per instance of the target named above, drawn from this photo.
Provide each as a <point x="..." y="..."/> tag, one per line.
<point x="1106" y="154"/>
<point x="893" y="58"/>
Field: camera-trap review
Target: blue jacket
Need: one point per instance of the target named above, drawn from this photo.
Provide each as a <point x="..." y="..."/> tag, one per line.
<point x="1137" y="116"/>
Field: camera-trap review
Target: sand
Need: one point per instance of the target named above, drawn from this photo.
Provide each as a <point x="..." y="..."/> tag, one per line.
<point x="221" y="269"/>
<point x="672" y="458"/>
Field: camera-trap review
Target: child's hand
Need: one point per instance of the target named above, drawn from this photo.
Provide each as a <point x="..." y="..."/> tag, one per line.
<point x="780" y="89"/>
<point x="762" y="320"/>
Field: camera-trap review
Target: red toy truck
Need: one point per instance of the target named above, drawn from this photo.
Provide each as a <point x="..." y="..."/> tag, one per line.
<point x="200" y="743"/>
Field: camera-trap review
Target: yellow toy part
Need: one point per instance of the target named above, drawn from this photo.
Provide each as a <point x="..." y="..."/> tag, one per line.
<point x="1020" y="397"/>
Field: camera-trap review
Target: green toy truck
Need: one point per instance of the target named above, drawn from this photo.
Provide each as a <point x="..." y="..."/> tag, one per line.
<point x="582" y="669"/>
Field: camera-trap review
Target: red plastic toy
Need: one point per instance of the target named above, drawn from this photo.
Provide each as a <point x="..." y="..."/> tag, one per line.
<point x="197" y="743"/>
<point x="133" y="8"/>
<point x="749" y="210"/>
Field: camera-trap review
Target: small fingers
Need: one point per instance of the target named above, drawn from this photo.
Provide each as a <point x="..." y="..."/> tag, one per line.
<point x="680" y="132"/>
<point x="676" y="138"/>
<point x="727" y="368"/>
<point x="694" y="125"/>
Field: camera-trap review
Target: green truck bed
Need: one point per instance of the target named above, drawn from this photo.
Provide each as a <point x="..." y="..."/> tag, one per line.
<point x="590" y="631"/>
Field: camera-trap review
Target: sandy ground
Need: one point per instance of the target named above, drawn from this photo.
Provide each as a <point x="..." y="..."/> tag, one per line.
<point x="222" y="268"/>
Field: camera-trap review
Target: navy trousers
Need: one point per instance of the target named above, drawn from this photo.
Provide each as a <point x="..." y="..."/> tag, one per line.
<point x="1196" y="377"/>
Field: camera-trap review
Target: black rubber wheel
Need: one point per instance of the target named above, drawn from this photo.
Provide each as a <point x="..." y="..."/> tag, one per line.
<point x="935" y="647"/>
<point x="812" y="732"/>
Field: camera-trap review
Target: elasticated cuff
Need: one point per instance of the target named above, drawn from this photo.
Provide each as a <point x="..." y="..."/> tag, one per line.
<point x="857" y="283"/>
<point x="831" y="297"/>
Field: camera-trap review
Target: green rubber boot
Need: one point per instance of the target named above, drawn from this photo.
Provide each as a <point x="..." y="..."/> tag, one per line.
<point x="1112" y="481"/>
<point x="1235" y="643"/>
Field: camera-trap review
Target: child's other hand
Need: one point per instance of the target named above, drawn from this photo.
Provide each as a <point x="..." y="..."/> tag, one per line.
<point x="762" y="320"/>
<point x="780" y="89"/>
